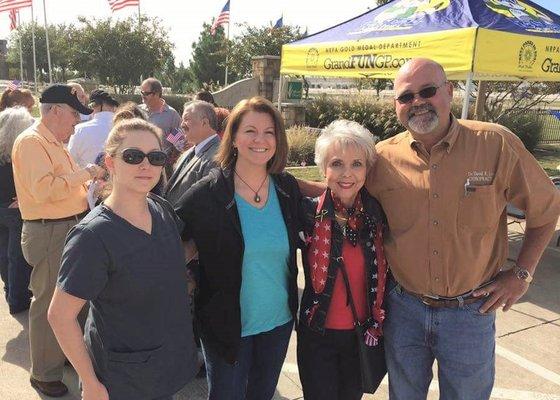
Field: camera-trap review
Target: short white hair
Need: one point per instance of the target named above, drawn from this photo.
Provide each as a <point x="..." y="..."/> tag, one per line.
<point x="344" y="133"/>
<point x="13" y="121"/>
<point x="44" y="108"/>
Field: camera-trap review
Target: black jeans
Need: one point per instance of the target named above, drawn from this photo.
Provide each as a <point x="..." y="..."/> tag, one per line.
<point x="14" y="269"/>
<point x="329" y="365"/>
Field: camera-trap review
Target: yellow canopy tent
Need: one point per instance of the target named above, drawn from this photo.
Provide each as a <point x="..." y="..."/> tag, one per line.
<point x="472" y="39"/>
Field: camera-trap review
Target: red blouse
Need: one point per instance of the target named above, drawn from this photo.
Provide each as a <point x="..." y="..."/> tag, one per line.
<point x="340" y="315"/>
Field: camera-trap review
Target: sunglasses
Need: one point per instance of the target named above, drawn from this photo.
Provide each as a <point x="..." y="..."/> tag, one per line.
<point x="425" y="93"/>
<point x="156" y="158"/>
<point x="146" y="94"/>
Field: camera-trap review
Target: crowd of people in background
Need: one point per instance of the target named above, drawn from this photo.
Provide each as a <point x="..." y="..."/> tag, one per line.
<point x="135" y="235"/>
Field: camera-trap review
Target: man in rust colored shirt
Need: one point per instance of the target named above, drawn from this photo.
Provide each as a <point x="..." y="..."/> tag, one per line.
<point x="444" y="185"/>
<point x="51" y="191"/>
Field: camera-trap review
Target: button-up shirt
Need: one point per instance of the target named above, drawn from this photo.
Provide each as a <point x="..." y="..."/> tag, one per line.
<point x="89" y="138"/>
<point x="48" y="182"/>
<point x="446" y="208"/>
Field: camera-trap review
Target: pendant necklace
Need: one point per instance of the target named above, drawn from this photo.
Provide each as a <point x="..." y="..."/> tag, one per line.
<point x="257" y="198"/>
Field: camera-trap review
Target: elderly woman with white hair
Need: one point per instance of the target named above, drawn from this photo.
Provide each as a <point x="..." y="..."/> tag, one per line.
<point x="345" y="269"/>
<point x="14" y="269"/>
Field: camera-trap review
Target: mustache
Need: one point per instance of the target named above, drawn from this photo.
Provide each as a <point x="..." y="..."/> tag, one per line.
<point x="417" y="109"/>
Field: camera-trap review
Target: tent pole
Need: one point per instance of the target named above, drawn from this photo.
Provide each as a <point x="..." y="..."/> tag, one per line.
<point x="468" y="90"/>
<point x="280" y="88"/>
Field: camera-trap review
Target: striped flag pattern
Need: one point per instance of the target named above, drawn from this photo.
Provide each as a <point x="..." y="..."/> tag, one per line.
<point x="13" y="85"/>
<point x="119" y="4"/>
<point x="7" y="5"/>
<point x="222" y="19"/>
<point x="13" y="19"/>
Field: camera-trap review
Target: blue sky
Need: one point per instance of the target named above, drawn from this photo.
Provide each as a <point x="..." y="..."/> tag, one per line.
<point x="552" y="5"/>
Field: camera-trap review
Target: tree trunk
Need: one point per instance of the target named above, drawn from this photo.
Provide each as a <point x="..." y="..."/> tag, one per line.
<point x="480" y="100"/>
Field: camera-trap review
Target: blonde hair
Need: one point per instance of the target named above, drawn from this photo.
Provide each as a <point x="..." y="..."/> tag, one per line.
<point x="121" y="130"/>
<point x="128" y="110"/>
<point x="117" y="136"/>
<point x="226" y="155"/>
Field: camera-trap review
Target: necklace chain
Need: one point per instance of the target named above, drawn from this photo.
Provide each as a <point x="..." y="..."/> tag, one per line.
<point x="256" y="198"/>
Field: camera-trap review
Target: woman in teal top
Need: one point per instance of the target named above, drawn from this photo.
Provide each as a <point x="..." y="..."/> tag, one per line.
<point x="246" y="296"/>
<point x="264" y="270"/>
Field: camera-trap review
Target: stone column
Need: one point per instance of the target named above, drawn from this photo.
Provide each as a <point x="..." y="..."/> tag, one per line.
<point x="266" y="69"/>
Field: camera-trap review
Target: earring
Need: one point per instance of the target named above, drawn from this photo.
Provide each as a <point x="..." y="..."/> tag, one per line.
<point x="234" y="151"/>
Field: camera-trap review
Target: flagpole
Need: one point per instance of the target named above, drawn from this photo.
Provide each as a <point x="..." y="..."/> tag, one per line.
<point x="20" y="50"/>
<point x="227" y="54"/>
<point x="47" y="38"/>
<point x="34" y="52"/>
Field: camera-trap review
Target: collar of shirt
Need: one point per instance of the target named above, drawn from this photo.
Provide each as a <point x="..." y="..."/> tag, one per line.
<point x="201" y="145"/>
<point x="449" y="139"/>
<point x="104" y="116"/>
<point x="42" y="130"/>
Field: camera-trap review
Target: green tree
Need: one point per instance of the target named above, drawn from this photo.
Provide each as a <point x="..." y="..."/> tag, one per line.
<point x="179" y="79"/>
<point x="61" y="39"/>
<point x="119" y="53"/>
<point x="382" y="2"/>
<point x="208" y="63"/>
<point x="259" y="41"/>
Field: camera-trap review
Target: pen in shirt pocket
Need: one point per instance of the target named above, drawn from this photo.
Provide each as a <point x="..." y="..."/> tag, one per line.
<point x="469" y="188"/>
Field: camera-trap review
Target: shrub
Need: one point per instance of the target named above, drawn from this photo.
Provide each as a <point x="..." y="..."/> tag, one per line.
<point x="377" y="116"/>
<point x="173" y="100"/>
<point x="302" y="146"/>
<point x="526" y="126"/>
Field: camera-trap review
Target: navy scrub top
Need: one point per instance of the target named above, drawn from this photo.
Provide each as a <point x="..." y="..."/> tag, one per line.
<point x="139" y="328"/>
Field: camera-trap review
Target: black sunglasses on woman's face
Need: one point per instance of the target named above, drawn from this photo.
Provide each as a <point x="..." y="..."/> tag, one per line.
<point x="134" y="156"/>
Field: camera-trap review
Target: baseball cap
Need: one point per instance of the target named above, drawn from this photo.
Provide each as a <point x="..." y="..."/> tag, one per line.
<point x="63" y="94"/>
<point x="99" y="96"/>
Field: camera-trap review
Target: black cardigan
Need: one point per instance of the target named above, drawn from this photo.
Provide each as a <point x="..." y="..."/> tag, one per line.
<point x="211" y="218"/>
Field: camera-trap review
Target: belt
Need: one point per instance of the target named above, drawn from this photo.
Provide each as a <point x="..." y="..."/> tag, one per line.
<point x="76" y="218"/>
<point x="449" y="302"/>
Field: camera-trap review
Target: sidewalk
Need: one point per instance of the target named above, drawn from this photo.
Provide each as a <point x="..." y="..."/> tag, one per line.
<point x="527" y="350"/>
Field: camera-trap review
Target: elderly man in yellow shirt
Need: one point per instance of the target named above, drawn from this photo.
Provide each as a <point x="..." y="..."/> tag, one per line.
<point x="51" y="191"/>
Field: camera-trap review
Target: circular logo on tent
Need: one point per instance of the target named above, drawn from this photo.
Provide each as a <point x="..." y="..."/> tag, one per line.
<point x="527" y="55"/>
<point x="524" y="15"/>
<point x="402" y="15"/>
<point x="312" y="58"/>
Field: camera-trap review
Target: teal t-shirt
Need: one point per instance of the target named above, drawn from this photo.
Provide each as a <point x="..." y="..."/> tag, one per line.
<point x="265" y="273"/>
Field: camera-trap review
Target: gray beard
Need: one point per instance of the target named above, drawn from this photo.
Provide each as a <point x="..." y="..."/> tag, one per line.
<point x="421" y="125"/>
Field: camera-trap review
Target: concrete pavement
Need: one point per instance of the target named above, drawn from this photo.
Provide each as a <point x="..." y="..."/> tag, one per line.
<point x="527" y="351"/>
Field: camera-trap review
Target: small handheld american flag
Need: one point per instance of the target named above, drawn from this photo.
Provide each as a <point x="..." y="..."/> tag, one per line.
<point x="13" y="85"/>
<point x="177" y="138"/>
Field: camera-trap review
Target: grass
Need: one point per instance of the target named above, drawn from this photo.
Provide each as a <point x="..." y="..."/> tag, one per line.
<point x="311" y="173"/>
<point x="548" y="156"/>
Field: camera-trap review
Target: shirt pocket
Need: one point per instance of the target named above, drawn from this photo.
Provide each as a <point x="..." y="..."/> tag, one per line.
<point x="480" y="210"/>
<point x="399" y="206"/>
<point x="131" y="373"/>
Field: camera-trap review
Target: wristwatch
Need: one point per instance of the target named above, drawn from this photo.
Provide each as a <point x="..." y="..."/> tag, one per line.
<point x="522" y="274"/>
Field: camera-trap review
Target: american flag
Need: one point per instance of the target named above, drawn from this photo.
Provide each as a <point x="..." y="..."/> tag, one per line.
<point x="13" y="19"/>
<point x="222" y="19"/>
<point x="175" y="135"/>
<point x="13" y="85"/>
<point x="118" y="4"/>
<point x="7" y="5"/>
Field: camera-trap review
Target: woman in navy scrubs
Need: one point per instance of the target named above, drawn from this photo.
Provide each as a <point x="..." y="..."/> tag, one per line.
<point x="126" y="259"/>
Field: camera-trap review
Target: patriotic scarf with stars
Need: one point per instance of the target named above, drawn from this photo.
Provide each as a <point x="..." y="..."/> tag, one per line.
<point x="320" y="243"/>
<point x="319" y="252"/>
